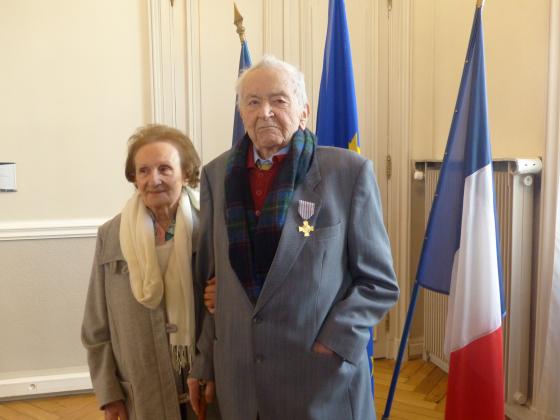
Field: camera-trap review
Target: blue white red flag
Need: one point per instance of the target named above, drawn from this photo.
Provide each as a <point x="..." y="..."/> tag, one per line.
<point x="461" y="257"/>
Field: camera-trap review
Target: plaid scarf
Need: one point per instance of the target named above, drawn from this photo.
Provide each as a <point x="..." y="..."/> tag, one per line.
<point x="252" y="242"/>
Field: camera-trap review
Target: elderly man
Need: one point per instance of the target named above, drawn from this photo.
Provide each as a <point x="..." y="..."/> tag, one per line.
<point x="294" y="234"/>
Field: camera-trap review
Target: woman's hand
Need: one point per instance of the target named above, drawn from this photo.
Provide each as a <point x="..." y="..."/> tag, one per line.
<point x="210" y="295"/>
<point x="322" y="349"/>
<point x="198" y="403"/>
<point x="115" y="410"/>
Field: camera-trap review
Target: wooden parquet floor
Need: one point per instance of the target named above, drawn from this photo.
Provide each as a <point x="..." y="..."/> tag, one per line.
<point x="71" y="407"/>
<point x="420" y="396"/>
<point x="420" y="391"/>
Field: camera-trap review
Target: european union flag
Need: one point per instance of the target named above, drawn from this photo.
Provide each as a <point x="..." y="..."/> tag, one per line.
<point x="337" y="115"/>
<point x="244" y="63"/>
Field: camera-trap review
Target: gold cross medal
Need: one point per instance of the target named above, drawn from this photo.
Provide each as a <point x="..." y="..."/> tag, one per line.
<point x="306" y="210"/>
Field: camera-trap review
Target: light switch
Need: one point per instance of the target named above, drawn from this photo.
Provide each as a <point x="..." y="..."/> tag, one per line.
<point x="7" y="177"/>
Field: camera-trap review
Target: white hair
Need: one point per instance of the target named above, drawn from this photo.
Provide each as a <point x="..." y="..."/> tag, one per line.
<point x="295" y="76"/>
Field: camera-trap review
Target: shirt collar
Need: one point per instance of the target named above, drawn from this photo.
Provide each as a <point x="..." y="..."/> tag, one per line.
<point x="256" y="158"/>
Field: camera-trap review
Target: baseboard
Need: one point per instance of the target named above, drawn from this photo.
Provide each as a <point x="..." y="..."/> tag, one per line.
<point x="415" y="348"/>
<point x="443" y="365"/>
<point x="48" y="383"/>
<point x="49" y="229"/>
<point x="521" y="412"/>
<point x="393" y="345"/>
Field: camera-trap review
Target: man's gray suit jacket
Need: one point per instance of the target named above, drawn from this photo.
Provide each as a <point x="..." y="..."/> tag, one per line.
<point x="331" y="287"/>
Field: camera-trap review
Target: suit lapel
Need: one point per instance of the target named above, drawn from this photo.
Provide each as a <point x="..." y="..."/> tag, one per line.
<point x="291" y="240"/>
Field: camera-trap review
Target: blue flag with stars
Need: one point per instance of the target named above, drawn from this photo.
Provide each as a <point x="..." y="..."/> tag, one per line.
<point x="244" y="63"/>
<point x="337" y="113"/>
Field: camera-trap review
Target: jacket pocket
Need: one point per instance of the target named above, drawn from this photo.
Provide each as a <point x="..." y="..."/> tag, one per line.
<point x="115" y="267"/>
<point x="324" y="233"/>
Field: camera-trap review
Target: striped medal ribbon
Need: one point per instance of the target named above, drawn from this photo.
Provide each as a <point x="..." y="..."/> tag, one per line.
<point x="306" y="210"/>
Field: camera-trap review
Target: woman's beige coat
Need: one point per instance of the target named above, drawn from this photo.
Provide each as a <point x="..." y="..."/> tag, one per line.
<point x="127" y="344"/>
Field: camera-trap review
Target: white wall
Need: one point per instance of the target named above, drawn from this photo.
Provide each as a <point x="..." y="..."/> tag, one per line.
<point x="219" y="62"/>
<point x="75" y="83"/>
<point x="516" y="47"/>
<point x="41" y="307"/>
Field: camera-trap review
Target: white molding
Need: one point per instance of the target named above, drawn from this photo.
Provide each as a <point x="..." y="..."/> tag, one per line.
<point x="306" y="63"/>
<point x="48" y="383"/>
<point x="371" y="113"/>
<point x="293" y="32"/>
<point x="165" y="91"/>
<point x="275" y="23"/>
<point x="415" y="347"/>
<point x="373" y="139"/>
<point x="193" y="74"/>
<point x="549" y="217"/>
<point x="288" y="32"/>
<point x="267" y="26"/>
<point x="516" y="412"/>
<point x="302" y="14"/>
<point x="442" y="364"/>
<point x="156" y="60"/>
<point x="393" y="344"/>
<point x="400" y="150"/>
<point x="50" y="229"/>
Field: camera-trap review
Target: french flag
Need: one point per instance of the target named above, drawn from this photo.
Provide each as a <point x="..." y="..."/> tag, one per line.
<point x="461" y="256"/>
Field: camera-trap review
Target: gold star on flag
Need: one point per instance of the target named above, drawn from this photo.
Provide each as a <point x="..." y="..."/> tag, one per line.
<point x="353" y="145"/>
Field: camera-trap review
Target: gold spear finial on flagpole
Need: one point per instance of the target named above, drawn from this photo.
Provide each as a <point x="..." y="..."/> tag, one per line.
<point x="479" y="3"/>
<point x="238" y="21"/>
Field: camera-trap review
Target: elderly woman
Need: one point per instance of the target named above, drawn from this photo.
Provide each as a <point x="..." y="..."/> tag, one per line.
<point x="139" y="322"/>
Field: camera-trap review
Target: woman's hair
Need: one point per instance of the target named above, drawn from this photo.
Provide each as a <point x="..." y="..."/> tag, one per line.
<point x="152" y="133"/>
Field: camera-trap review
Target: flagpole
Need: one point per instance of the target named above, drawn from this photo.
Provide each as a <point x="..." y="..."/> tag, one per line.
<point x="244" y="64"/>
<point x="238" y="22"/>
<point x="402" y="347"/>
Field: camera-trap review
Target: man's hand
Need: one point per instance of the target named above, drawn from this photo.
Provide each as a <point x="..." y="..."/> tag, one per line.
<point x="321" y="348"/>
<point x="210" y="295"/>
<point x="194" y="393"/>
<point x="115" y="410"/>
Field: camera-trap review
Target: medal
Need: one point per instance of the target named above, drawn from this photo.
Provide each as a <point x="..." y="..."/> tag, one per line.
<point x="306" y="210"/>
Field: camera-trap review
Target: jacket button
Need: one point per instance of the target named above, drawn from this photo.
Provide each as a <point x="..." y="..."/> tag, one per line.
<point x="257" y="320"/>
<point x="259" y="359"/>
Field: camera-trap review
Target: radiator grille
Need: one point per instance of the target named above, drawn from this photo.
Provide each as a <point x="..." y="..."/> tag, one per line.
<point x="435" y="304"/>
<point x="515" y="202"/>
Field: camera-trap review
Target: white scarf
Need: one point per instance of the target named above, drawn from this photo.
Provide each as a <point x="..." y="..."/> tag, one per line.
<point x="137" y="240"/>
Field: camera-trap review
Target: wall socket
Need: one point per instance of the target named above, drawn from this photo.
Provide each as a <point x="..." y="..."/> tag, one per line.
<point x="7" y="177"/>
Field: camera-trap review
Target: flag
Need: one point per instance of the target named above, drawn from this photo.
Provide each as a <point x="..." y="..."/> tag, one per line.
<point x="337" y="113"/>
<point x="460" y="255"/>
<point x="244" y="63"/>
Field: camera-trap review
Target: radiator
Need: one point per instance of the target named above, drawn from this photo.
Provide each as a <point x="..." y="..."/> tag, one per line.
<point x="514" y="182"/>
